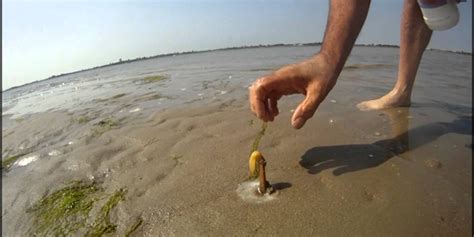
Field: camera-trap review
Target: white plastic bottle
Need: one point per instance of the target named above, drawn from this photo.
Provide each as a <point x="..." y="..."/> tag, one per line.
<point x="439" y="14"/>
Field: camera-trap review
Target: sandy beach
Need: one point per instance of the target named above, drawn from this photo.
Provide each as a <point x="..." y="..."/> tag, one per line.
<point x="179" y="145"/>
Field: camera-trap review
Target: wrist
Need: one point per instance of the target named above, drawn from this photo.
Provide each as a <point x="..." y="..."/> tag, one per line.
<point x="327" y="66"/>
<point x="334" y="61"/>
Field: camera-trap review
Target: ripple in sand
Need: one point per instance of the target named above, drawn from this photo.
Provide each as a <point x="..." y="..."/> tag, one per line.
<point x="248" y="192"/>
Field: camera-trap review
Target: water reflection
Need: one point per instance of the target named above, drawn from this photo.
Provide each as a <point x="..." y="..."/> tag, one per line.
<point x="355" y="157"/>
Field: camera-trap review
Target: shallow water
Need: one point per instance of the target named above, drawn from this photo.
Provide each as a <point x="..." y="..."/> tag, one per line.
<point x="180" y="146"/>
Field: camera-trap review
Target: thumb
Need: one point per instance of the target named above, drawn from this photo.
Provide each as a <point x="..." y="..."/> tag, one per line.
<point x="305" y="110"/>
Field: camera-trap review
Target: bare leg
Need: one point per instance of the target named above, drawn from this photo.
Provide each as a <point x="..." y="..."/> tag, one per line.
<point x="414" y="38"/>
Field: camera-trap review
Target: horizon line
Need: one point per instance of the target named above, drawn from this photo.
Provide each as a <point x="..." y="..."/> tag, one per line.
<point x="213" y="50"/>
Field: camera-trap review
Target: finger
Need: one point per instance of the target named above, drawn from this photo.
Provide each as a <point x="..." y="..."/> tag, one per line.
<point x="274" y="106"/>
<point x="252" y="106"/>
<point x="305" y="110"/>
<point x="258" y="100"/>
<point x="268" y="111"/>
<point x="252" y="100"/>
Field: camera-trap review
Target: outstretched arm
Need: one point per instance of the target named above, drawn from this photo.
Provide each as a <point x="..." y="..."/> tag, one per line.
<point x="316" y="76"/>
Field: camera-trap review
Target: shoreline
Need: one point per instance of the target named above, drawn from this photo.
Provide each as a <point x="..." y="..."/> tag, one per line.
<point x="216" y="50"/>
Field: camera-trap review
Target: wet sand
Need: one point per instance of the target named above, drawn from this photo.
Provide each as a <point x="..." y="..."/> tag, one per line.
<point x="397" y="172"/>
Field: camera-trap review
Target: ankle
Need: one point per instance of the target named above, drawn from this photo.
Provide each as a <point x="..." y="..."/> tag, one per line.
<point x="401" y="92"/>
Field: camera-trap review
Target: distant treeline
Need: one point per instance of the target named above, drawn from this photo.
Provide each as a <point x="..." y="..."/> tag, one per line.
<point x="120" y="61"/>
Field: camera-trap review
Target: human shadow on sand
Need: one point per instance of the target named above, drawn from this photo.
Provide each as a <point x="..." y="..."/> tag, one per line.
<point x="355" y="157"/>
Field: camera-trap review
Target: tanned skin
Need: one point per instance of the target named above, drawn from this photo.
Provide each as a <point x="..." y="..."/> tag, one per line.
<point x="316" y="76"/>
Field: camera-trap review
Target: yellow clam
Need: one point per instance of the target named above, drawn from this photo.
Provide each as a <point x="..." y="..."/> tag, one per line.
<point x="253" y="164"/>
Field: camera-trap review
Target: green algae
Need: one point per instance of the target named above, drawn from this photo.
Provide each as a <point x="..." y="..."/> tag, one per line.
<point x="83" y="119"/>
<point x="68" y="210"/>
<point x="156" y="96"/>
<point x="19" y="120"/>
<point x="138" y="222"/>
<point x="8" y="162"/>
<point x="260" y="134"/>
<point x="64" y="211"/>
<point x="159" y="96"/>
<point x="104" y="126"/>
<point x="118" y="96"/>
<point x="102" y="224"/>
<point x="110" y="98"/>
<point x="156" y="78"/>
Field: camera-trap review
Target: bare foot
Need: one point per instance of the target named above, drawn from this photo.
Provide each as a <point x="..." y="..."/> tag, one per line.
<point x="390" y="100"/>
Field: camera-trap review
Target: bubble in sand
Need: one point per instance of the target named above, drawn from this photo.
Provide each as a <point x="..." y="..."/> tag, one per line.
<point x="230" y="77"/>
<point x="70" y="143"/>
<point x="134" y="110"/>
<point x="25" y="161"/>
<point x="223" y="92"/>
<point x="377" y="134"/>
<point x="333" y="101"/>
<point x="200" y="94"/>
<point x="331" y="121"/>
<point x="183" y="89"/>
<point x="248" y="192"/>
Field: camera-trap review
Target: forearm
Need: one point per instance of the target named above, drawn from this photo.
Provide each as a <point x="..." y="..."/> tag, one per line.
<point x="345" y="20"/>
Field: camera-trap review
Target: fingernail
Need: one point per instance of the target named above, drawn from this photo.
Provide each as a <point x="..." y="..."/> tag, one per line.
<point x="298" y="123"/>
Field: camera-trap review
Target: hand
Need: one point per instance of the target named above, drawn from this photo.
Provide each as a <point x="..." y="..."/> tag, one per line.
<point x="313" y="78"/>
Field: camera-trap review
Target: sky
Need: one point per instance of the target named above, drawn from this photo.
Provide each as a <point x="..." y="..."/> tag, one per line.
<point x="45" y="38"/>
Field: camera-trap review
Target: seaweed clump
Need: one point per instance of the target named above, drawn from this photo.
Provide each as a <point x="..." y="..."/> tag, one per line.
<point x="155" y="78"/>
<point x="67" y="210"/>
<point x="64" y="211"/>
